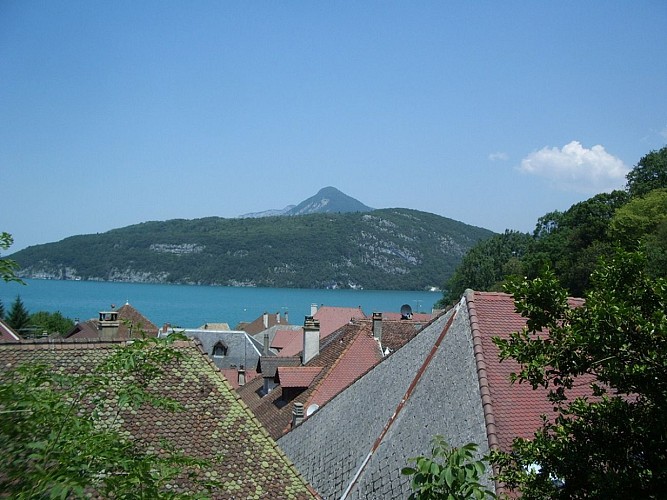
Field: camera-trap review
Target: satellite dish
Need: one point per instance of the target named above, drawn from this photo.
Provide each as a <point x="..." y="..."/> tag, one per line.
<point x="312" y="409"/>
<point x="406" y="311"/>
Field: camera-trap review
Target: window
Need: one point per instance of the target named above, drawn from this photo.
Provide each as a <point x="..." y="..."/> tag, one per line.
<point x="219" y="350"/>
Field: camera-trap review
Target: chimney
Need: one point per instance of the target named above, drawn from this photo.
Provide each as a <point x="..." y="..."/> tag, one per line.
<point x="266" y="344"/>
<point x="278" y="317"/>
<point x="311" y="339"/>
<point x="313" y="309"/>
<point x="377" y="326"/>
<point x="241" y="374"/>
<point x="297" y="414"/>
<point x="166" y="327"/>
<point x="286" y="317"/>
<point x="265" y="319"/>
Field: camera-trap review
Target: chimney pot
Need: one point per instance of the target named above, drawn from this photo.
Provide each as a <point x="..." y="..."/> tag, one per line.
<point x="311" y="339"/>
<point x="266" y="343"/>
<point x="297" y="414"/>
<point x="377" y="326"/>
<point x="265" y="319"/>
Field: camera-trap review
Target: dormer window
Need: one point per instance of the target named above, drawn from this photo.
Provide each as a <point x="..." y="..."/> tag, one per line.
<point x="219" y="350"/>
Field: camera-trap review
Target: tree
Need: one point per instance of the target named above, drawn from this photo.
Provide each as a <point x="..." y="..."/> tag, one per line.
<point x="8" y="267"/>
<point x="18" y="317"/>
<point x="43" y="321"/>
<point x="58" y="431"/>
<point x="488" y="264"/>
<point x="649" y="174"/>
<point x="612" y="443"/>
<point x="450" y="473"/>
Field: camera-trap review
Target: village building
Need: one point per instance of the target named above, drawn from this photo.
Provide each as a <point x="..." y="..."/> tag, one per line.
<point x="7" y="333"/>
<point x="233" y="352"/>
<point x="447" y="380"/>
<point x="293" y="386"/>
<point x="123" y="323"/>
<point x="213" y="425"/>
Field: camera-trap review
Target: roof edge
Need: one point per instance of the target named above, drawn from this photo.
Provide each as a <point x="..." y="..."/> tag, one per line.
<point x="482" y="378"/>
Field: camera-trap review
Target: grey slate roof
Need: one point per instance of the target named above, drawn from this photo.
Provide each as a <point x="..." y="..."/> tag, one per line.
<point x="355" y="435"/>
<point x="242" y="349"/>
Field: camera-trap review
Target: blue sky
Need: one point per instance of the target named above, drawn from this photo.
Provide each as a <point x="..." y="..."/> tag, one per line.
<point x="491" y="113"/>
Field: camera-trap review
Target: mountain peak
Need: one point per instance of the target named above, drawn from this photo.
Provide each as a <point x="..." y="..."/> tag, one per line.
<point x="329" y="199"/>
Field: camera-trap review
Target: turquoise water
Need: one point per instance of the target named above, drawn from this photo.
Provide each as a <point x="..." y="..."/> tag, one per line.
<point x="190" y="306"/>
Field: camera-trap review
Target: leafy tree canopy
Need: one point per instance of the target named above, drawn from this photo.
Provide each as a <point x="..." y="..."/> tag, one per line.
<point x="488" y="264"/>
<point x="8" y="267"/>
<point x="449" y="473"/>
<point x="613" y="443"/>
<point x="649" y="174"/>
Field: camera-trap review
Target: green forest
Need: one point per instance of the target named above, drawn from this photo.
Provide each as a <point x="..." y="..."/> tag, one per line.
<point x="388" y="249"/>
<point x="571" y="243"/>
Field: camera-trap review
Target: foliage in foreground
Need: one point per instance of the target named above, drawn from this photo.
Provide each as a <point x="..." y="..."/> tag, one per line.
<point x="61" y="437"/>
<point x="613" y="443"/>
<point x="450" y="473"/>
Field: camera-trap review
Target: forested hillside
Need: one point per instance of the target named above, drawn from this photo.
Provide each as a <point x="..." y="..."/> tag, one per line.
<point x="383" y="249"/>
<point x="572" y="242"/>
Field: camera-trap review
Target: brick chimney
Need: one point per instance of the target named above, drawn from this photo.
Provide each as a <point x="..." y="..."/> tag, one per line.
<point x="377" y="326"/>
<point x="297" y="414"/>
<point x="311" y="339"/>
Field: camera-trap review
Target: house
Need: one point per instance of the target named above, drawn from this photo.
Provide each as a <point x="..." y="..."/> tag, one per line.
<point x="214" y="424"/>
<point x="234" y="352"/>
<point x="447" y="380"/>
<point x="294" y="386"/>
<point x="115" y="324"/>
<point x="7" y="333"/>
<point x="263" y="322"/>
<point x="289" y="342"/>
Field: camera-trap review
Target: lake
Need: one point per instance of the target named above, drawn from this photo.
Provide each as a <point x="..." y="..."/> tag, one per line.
<point x="190" y="306"/>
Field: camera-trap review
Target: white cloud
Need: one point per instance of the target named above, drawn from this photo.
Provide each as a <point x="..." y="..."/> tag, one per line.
<point x="499" y="156"/>
<point x="575" y="168"/>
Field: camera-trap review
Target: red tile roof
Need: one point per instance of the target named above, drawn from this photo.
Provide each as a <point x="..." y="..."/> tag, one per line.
<point x="284" y="337"/>
<point x="418" y="317"/>
<point x="297" y="376"/>
<point x="132" y="325"/>
<point x="511" y="410"/>
<point x="232" y="376"/>
<point x="214" y="425"/>
<point x="332" y="318"/>
<point x="7" y="333"/>
<point x="361" y="355"/>
<point x="344" y="356"/>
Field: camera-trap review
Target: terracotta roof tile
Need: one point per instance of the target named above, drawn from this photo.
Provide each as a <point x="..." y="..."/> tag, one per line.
<point x="7" y="333"/>
<point x="297" y="376"/>
<point x="332" y="318"/>
<point x="284" y="337"/>
<point x="512" y="410"/>
<point x="215" y="424"/>
<point x="344" y="356"/>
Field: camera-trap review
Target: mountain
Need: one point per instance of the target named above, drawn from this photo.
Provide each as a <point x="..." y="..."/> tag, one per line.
<point x="384" y="249"/>
<point x="327" y="200"/>
<point x="267" y="213"/>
